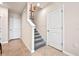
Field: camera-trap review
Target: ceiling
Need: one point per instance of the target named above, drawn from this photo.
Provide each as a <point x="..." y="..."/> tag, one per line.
<point x="19" y="6"/>
<point x="42" y="4"/>
<point x="14" y="6"/>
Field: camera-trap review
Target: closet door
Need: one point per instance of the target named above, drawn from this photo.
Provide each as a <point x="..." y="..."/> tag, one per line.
<point x="0" y="28"/>
<point x="55" y="29"/>
<point x="14" y="26"/>
<point x="3" y="24"/>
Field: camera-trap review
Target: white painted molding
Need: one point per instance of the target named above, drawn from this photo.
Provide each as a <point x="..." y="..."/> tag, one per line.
<point x="33" y="39"/>
<point x="33" y="27"/>
<point x="12" y="38"/>
<point x="32" y="51"/>
<point x="4" y="42"/>
<point x="67" y="53"/>
<point x="31" y="23"/>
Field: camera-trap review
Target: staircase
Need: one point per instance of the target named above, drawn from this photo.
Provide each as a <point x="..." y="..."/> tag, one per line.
<point x="39" y="41"/>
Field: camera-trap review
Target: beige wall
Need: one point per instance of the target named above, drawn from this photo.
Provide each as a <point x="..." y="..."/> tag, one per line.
<point x="26" y="33"/>
<point x="27" y="29"/>
<point x="40" y="18"/>
<point x="71" y="28"/>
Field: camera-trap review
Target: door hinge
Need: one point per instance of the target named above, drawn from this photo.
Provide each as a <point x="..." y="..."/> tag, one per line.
<point x="62" y="43"/>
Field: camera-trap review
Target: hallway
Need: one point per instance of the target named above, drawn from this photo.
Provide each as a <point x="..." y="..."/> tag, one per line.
<point x="17" y="48"/>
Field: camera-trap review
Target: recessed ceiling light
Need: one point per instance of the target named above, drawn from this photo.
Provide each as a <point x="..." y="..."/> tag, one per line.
<point x="38" y="4"/>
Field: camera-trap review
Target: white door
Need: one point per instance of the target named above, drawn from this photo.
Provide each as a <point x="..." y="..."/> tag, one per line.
<point x="0" y="28"/>
<point x="55" y="29"/>
<point x="3" y="24"/>
<point x="14" y="27"/>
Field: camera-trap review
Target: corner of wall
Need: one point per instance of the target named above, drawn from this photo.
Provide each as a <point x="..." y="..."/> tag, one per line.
<point x="67" y="53"/>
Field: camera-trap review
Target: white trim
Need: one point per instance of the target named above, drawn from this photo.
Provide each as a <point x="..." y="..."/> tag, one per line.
<point x="12" y="38"/>
<point x="33" y="27"/>
<point x="31" y="23"/>
<point x="32" y="51"/>
<point x="69" y="54"/>
<point x="4" y="42"/>
<point x="63" y="25"/>
<point x="32" y="39"/>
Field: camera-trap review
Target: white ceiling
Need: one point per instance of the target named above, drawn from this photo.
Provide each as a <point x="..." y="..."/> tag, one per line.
<point x="15" y="6"/>
<point x="42" y="4"/>
<point x="19" y="6"/>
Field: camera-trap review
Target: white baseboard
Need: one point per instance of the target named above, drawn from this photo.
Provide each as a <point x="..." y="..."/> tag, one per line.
<point x="69" y="54"/>
<point x="14" y="38"/>
<point x="32" y="51"/>
<point x="4" y="42"/>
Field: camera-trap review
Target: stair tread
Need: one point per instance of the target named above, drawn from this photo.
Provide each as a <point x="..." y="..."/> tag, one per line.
<point x="37" y="37"/>
<point x="37" y="46"/>
<point x="38" y="40"/>
<point x="36" y="33"/>
<point x="40" y="43"/>
<point x="36" y="30"/>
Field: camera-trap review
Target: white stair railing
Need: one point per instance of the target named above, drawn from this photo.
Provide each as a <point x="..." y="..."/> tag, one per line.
<point x="28" y="34"/>
<point x="33" y="26"/>
<point x="28" y="28"/>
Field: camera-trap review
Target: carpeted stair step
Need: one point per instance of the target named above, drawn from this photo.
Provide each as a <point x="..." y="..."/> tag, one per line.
<point x="37" y="36"/>
<point x="39" y="45"/>
<point x="38" y="40"/>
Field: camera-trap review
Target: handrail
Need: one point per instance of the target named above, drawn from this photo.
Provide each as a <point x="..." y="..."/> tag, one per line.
<point x="31" y="23"/>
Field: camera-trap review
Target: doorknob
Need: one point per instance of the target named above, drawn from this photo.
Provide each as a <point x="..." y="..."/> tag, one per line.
<point x="48" y="30"/>
<point x="61" y="27"/>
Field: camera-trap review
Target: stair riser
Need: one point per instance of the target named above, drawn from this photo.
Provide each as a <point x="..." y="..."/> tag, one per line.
<point x="37" y="41"/>
<point x="36" y="34"/>
<point x="36" y="31"/>
<point x="38" y="37"/>
<point x="37" y="47"/>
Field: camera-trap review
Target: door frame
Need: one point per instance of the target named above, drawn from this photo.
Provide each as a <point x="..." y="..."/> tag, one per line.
<point x="62" y="10"/>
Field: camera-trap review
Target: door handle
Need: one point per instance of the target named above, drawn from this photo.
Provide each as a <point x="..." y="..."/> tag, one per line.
<point x="48" y="30"/>
<point x="61" y="27"/>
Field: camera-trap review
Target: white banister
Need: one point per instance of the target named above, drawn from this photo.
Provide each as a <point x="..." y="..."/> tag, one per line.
<point x="33" y="27"/>
<point x="31" y="23"/>
<point x="28" y="29"/>
<point x="28" y="34"/>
